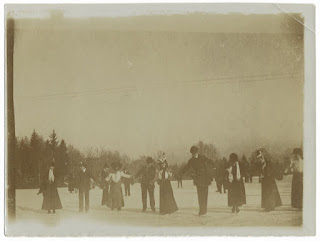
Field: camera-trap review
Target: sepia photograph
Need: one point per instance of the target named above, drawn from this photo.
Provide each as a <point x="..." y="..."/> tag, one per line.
<point x="159" y="120"/>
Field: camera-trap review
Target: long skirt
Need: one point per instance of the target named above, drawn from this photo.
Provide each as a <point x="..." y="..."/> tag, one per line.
<point x="105" y="196"/>
<point x="270" y="197"/>
<point x="236" y="193"/>
<point x="167" y="202"/>
<point x="297" y="190"/>
<point x="116" y="196"/>
<point x="51" y="199"/>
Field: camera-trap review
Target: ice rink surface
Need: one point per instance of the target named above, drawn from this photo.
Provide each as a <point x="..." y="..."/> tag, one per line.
<point x="101" y="221"/>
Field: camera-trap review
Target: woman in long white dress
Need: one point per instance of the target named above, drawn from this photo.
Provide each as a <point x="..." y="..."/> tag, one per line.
<point x="116" y="196"/>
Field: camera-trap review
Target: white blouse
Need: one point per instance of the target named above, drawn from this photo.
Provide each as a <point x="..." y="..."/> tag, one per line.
<point x="116" y="177"/>
<point x="166" y="175"/>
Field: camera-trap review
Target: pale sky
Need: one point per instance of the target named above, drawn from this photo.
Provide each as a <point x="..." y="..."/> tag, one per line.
<point x="148" y="83"/>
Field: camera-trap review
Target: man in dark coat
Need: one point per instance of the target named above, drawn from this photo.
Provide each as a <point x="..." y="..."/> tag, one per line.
<point x="203" y="168"/>
<point x="147" y="173"/>
<point x="270" y="197"/>
<point x="83" y="182"/>
<point x="105" y="188"/>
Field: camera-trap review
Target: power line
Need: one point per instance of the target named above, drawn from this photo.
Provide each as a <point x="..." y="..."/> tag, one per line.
<point x="241" y="79"/>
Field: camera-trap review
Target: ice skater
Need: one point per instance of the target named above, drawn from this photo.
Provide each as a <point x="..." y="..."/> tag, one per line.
<point x="167" y="202"/>
<point x="147" y="173"/>
<point x="236" y="191"/>
<point x="51" y="199"/>
<point x="203" y="168"/>
<point x="116" y="195"/>
<point x="270" y="197"/>
<point x="83" y="181"/>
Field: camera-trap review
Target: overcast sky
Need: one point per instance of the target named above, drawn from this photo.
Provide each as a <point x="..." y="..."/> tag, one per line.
<point x="150" y="83"/>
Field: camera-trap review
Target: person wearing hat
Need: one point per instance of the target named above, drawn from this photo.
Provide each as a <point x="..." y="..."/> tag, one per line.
<point x="167" y="203"/>
<point x="203" y="168"/>
<point x="236" y="191"/>
<point x="116" y="195"/>
<point x="83" y="182"/>
<point x="147" y="174"/>
<point x="51" y="199"/>
<point x="296" y="164"/>
<point x="270" y="197"/>
<point x="105" y="188"/>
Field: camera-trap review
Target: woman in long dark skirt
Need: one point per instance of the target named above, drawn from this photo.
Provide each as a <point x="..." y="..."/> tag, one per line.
<point x="51" y="199"/>
<point x="236" y="191"/>
<point x="167" y="202"/>
<point x="297" y="178"/>
<point x="116" y="195"/>
<point x="270" y="197"/>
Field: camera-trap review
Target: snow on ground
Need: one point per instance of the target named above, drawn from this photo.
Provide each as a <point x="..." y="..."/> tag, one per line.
<point x="101" y="221"/>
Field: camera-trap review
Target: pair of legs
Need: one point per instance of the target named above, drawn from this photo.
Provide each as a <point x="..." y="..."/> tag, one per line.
<point x="53" y="211"/>
<point x="235" y="208"/>
<point x="220" y="186"/>
<point x="127" y="189"/>
<point x="179" y="183"/>
<point x="144" y="190"/>
<point x="119" y="209"/>
<point x="83" y="194"/>
<point x="202" y="199"/>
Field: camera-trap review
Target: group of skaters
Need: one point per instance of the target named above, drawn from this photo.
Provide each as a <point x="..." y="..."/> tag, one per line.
<point x="112" y="177"/>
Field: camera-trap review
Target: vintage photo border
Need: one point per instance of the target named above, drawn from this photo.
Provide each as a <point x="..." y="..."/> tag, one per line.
<point x="309" y="220"/>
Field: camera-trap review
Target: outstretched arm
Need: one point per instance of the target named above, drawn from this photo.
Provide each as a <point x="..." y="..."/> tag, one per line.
<point x="95" y="179"/>
<point x="185" y="168"/>
<point x="125" y="175"/>
<point x="138" y="173"/>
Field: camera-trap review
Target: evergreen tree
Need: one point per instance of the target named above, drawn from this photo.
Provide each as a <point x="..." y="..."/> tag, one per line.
<point x="53" y="141"/>
<point x="35" y="154"/>
<point x="62" y="158"/>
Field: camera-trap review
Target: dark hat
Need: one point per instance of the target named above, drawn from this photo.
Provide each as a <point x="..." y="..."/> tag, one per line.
<point x="194" y="149"/>
<point x="51" y="164"/>
<point x="116" y="165"/>
<point x="233" y="157"/>
<point x="106" y="165"/>
<point x="298" y="151"/>
<point x="149" y="160"/>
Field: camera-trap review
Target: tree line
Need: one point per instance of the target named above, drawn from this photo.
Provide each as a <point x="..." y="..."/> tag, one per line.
<point x="34" y="154"/>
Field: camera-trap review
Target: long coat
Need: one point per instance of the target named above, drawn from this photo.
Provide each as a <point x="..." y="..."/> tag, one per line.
<point x="297" y="190"/>
<point x="236" y="191"/>
<point x="203" y="170"/>
<point x="270" y="197"/>
<point x="51" y="199"/>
